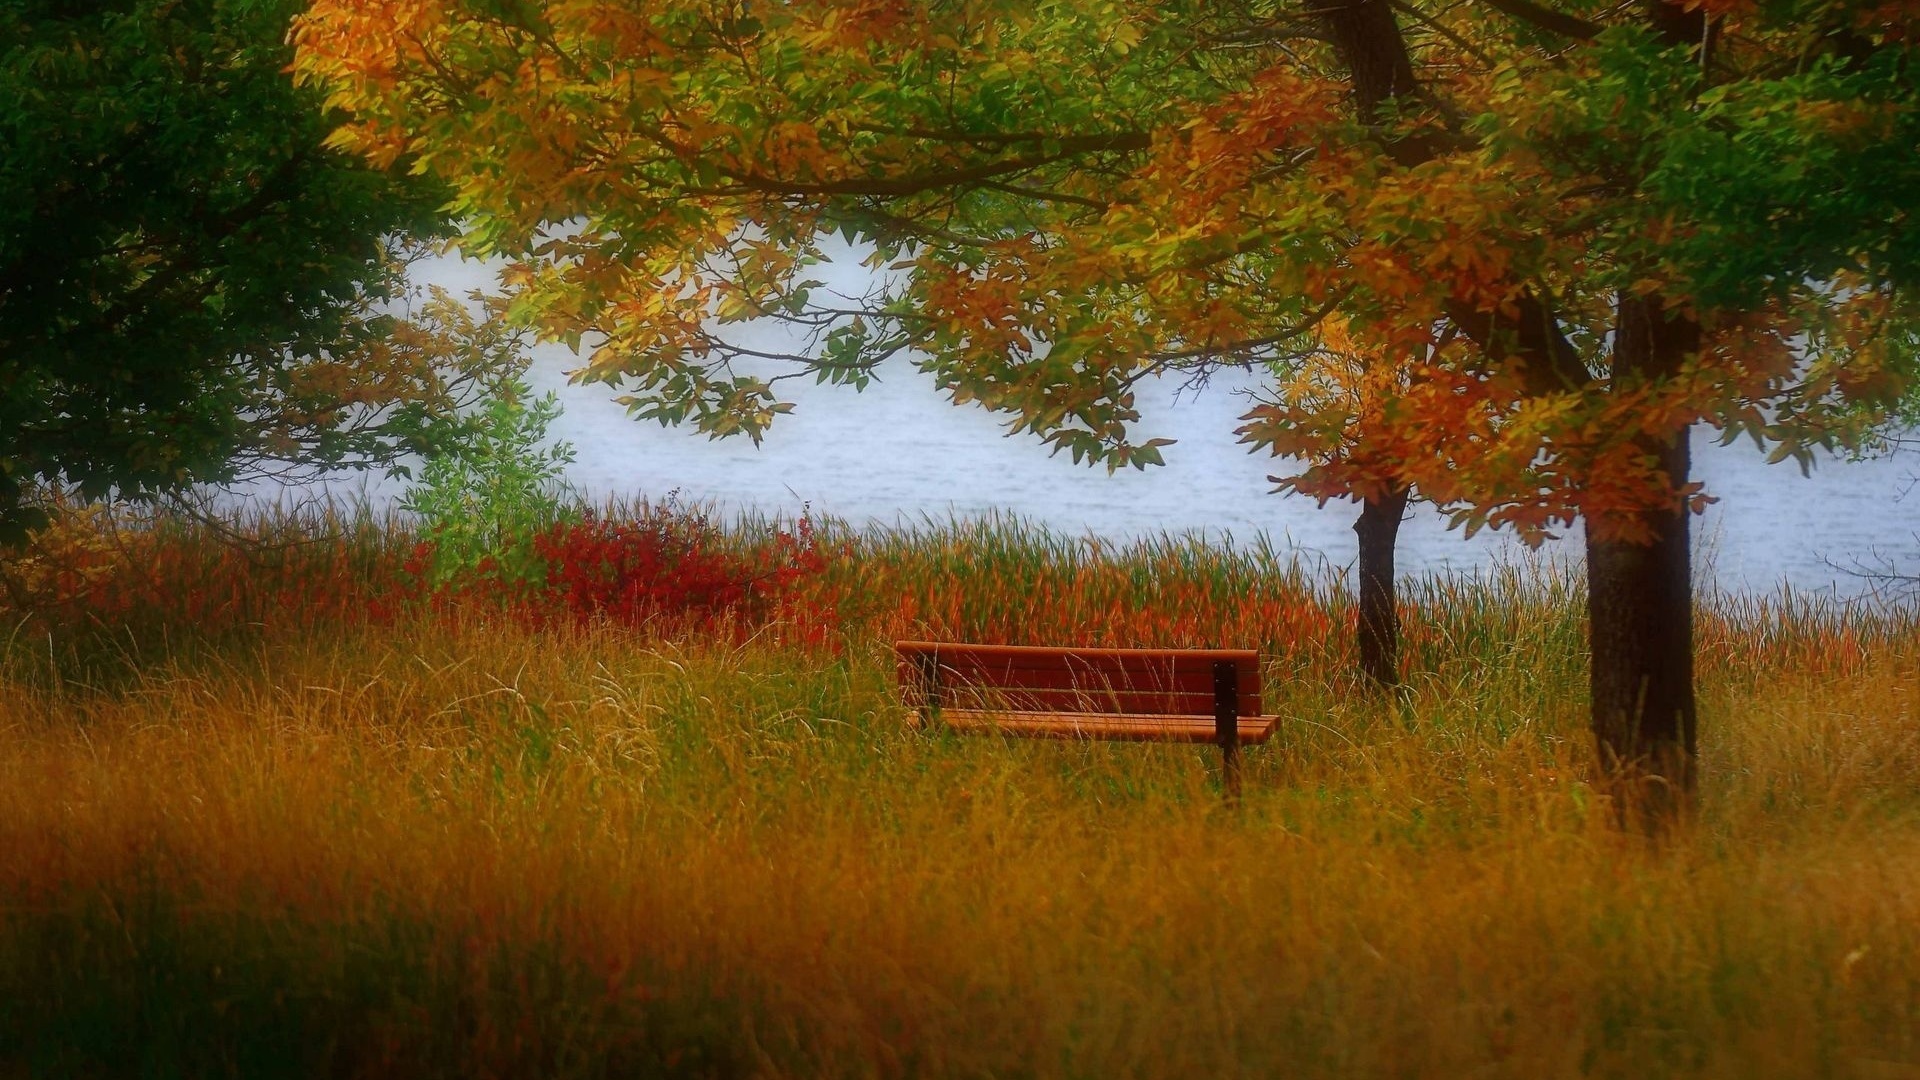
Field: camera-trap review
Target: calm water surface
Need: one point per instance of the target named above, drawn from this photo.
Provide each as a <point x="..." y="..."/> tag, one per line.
<point x="899" y="453"/>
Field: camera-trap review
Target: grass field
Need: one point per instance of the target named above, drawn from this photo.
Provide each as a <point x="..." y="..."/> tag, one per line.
<point x="265" y="817"/>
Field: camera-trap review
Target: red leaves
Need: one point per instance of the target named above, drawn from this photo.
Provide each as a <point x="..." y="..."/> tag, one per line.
<point x="675" y="568"/>
<point x="665" y="570"/>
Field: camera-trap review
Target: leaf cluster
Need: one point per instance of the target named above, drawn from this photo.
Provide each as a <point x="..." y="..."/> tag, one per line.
<point x="493" y="481"/>
<point x="175" y="241"/>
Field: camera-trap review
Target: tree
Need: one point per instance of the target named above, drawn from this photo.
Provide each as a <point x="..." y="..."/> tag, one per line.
<point x="1333" y="406"/>
<point x="191" y="285"/>
<point x="1558" y="236"/>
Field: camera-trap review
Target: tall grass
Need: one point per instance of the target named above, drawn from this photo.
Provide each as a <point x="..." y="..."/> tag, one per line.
<point x="447" y="844"/>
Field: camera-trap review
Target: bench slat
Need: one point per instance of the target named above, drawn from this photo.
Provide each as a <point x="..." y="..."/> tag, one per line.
<point x="1162" y="672"/>
<point x="1042" y="653"/>
<point x="1106" y="672"/>
<point x="1089" y="700"/>
<point x="1067" y="675"/>
<point x="1115" y="726"/>
<point x="1158" y="664"/>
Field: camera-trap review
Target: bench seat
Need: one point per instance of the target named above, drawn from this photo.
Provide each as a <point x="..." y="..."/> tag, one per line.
<point x="1155" y="727"/>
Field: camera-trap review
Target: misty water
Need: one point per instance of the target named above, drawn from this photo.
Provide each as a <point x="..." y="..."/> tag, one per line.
<point x="899" y="454"/>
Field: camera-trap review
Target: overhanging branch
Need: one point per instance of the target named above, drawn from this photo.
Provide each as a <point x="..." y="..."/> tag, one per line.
<point x="1545" y="18"/>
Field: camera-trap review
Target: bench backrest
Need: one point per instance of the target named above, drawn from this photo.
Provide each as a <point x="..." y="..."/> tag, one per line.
<point x="1171" y="682"/>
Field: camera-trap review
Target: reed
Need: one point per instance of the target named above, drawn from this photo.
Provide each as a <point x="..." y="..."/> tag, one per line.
<point x="433" y="842"/>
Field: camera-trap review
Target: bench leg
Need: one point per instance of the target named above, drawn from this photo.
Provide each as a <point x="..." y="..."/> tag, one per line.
<point x="1226" y="726"/>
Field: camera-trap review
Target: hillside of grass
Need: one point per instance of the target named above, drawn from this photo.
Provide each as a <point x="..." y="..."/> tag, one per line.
<point x="283" y="809"/>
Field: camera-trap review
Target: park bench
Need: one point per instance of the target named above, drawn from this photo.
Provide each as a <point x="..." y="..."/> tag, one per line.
<point x="1161" y="695"/>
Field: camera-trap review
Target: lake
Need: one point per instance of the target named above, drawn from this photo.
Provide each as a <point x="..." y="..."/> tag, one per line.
<point x="899" y="453"/>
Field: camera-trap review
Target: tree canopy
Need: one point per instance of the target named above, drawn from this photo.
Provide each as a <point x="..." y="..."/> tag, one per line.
<point x="189" y="280"/>
<point x="1079" y="194"/>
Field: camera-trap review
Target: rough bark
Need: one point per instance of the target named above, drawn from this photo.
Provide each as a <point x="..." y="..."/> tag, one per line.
<point x="1640" y="608"/>
<point x="1367" y="35"/>
<point x="1378" y="529"/>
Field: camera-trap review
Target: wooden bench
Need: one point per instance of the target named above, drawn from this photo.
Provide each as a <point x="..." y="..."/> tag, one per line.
<point x="1164" y="695"/>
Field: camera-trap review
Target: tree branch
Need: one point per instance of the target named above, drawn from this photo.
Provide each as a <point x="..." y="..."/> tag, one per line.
<point x="920" y="183"/>
<point x="1545" y="18"/>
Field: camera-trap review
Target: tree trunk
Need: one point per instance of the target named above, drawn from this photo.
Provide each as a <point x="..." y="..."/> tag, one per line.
<point x="1640" y="610"/>
<point x="1640" y="604"/>
<point x="1378" y="528"/>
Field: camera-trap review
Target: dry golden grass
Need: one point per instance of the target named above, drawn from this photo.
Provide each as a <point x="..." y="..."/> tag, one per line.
<point x="469" y="849"/>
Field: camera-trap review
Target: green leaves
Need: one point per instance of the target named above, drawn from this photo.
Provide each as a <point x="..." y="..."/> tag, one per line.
<point x="172" y="237"/>
<point x="492" y="482"/>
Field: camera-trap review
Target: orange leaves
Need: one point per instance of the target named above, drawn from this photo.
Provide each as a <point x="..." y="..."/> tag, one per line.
<point x="827" y="27"/>
<point x="1215" y="180"/>
<point x="364" y="53"/>
<point x="1379" y="406"/>
<point x="607" y="31"/>
<point x="792" y="148"/>
<point x="371" y="42"/>
<point x="1456" y="230"/>
<point x="1715" y="8"/>
<point x="1219" y="149"/>
<point x="986" y="309"/>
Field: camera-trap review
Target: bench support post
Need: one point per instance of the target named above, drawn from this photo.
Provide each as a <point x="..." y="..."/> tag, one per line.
<point x="1226" y="724"/>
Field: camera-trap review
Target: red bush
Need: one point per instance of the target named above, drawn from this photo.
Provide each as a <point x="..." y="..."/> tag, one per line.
<point x="674" y="567"/>
<point x="667" y="567"/>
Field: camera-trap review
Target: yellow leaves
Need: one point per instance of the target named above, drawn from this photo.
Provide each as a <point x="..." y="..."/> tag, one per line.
<point x="1124" y="36"/>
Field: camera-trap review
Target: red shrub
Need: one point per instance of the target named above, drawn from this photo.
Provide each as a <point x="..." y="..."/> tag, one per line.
<point x="675" y="567"/>
<point x="665" y="567"/>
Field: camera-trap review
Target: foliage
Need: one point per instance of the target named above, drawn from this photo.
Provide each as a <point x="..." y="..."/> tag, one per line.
<point x="151" y="577"/>
<point x="1505" y="254"/>
<point x="407" y="379"/>
<point x="659" y="569"/>
<point x="673" y="565"/>
<point x="113" y="579"/>
<point x="1074" y="197"/>
<point x="490" y="486"/>
<point x="191" y="285"/>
